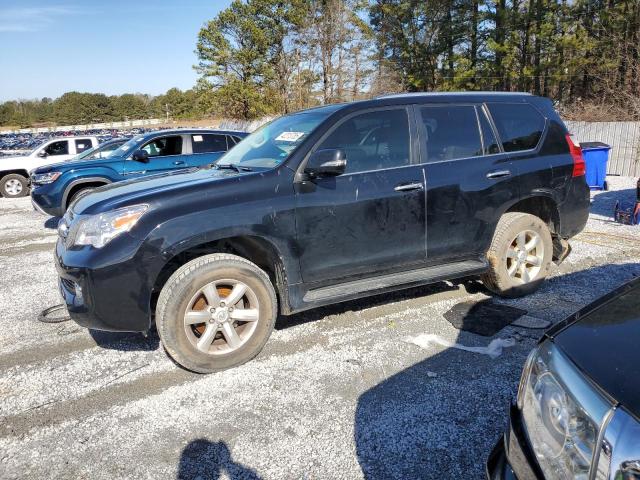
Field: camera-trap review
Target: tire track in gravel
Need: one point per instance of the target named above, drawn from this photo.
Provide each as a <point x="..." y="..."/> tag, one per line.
<point x="52" y="413"/>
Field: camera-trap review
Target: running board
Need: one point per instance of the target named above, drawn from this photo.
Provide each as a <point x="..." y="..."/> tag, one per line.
<point x="397" y="280"/>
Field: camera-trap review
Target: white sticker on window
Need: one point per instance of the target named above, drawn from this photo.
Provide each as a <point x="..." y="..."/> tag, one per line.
<point x="197" y="138"/>
<point x="289" y="136"/>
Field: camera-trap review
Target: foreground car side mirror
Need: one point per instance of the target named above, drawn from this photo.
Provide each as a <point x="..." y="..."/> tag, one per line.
<point x="140" y="156"/>
<point x="326" y="163"/>
<point x="42" y="154"/>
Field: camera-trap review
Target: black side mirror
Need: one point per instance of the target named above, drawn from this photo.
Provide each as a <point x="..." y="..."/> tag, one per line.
<point x="326" y="163"/>
<point x="140" y="156"/>
<point x="42" y="154"/>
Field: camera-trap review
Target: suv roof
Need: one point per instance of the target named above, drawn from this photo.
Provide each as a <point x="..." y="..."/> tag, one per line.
<point x="453" y="94"/>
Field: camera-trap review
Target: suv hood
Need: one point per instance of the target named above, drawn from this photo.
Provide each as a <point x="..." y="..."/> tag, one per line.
<point x="143" y="189"/>
<point x="73" y="164"/>
<point x="603" y="343"/>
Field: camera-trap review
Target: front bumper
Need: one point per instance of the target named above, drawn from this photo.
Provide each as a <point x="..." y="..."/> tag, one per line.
<point x="512" y="458"/>
<point x="107" y="290"/>
<point x="44" y="202"/>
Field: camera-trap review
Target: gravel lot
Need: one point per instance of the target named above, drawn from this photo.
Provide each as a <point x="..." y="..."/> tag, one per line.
<point x="338" y="392"/>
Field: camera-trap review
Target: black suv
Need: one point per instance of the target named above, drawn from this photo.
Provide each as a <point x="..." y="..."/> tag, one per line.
<point x="323" y="206"/>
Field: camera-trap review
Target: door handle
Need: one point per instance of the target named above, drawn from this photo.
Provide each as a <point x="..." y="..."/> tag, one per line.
<point x="178" y="162"/>
<point x="499" y="174"/>
<point x="406" y="187"/>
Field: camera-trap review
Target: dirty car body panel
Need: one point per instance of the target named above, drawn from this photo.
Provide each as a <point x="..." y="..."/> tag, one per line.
<point x="325" y="240"/>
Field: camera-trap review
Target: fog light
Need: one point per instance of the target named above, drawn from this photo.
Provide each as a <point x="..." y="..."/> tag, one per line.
<point x="77" y="289"/>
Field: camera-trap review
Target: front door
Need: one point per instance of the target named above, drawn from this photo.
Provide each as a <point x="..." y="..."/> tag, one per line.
<point x="165" y="153"/>
<point x="371" y="219"/>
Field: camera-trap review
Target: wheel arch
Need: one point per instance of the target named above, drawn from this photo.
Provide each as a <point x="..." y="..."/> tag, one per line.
<point x="18" y="171"/>
<point x="79" y="184"/>
<point x="542" y="206"/>
<point x="256" y="249"/>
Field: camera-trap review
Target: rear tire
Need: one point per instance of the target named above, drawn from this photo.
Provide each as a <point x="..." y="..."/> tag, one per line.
<point x="519" y="256"/>
<point x="216" y="312"/>
<point x="14" y="185"/>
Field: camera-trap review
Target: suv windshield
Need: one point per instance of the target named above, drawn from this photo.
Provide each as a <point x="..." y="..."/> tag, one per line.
<point x="127" y="148"/>
<point x="272" y="144"/>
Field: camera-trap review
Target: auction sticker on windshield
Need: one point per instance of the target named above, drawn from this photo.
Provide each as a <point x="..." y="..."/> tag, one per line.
<point x="289" y="136"/>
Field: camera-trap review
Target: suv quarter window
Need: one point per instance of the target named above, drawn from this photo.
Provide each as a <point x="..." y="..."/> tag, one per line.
<point x="372" y="140"/>
<point x="164" y="146"/>
<point x="60" y="147"/>
<point x="449" y="132"/>
<point x="519" y="125"/>
<point x="208" y="143"/>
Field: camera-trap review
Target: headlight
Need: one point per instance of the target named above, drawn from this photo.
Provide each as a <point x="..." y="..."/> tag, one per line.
<point x="48" y="177"/>
<point x="561" y="412"/>
<point x="98" y="230"/>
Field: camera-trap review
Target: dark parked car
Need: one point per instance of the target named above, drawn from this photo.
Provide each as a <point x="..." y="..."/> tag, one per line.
<point x="578" y="409"/>
<point x="324" y="206"/>
<point x="55" y="186"/>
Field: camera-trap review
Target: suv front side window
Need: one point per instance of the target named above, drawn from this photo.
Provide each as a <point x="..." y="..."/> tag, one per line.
<point x="450" y="132"/>
<point x="373" y="140"/>
<point x="164" y="146"/>
<point x="57" y="148"/>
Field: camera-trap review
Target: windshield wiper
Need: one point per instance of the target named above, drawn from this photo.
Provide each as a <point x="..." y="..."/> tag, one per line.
<point x="232" y="166"/>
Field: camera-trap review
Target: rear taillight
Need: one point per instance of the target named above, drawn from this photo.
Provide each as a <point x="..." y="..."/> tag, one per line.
<point x="579" y="167"/>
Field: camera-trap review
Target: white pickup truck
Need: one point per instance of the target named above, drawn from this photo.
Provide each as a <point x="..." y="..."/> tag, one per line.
<point x="14" y="171"/>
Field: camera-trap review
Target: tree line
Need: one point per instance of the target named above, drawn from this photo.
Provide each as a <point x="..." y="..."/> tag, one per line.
<point x="266" y="57"/>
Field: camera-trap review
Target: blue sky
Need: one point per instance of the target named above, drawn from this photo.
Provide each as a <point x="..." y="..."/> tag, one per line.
<point x="48" y="47"/>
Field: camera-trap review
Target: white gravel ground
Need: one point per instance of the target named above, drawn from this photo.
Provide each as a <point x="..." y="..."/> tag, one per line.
<point x="338" y="392"/>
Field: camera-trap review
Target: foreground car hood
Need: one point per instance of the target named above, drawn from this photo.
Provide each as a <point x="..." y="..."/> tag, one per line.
<point x="141" y="188"/>
<point x="604" y="345"/>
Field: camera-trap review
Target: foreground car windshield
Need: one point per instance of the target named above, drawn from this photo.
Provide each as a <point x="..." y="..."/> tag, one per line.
<point x="272" y="144"/>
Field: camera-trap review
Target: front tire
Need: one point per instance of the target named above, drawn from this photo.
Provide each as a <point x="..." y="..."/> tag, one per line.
<point x="519" y="256"/>
<point x="216" y="312"/>
<point x="14" y="186"/>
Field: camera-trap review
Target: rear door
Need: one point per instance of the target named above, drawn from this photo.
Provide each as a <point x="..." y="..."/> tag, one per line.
<point x="371" y="219"/>
<point x="469" y="179"/>
<point x="165" y="153"/>
<point x="81" y="145"/>
<point x="520" y="127"/>
<point x="206" y="148"/>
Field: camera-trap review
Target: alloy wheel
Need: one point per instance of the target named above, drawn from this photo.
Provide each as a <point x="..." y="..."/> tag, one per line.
<point x="221" y="317"/>
<point x="525" y="256"/>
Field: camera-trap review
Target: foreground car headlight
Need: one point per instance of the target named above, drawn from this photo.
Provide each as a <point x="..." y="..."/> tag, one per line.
<point x="42" y="178"/>
<point x="562" y="412"/>
<point x="98" y="230"/>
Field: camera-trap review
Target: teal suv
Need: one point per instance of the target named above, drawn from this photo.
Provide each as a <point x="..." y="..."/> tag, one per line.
<point x="55" y="186"/>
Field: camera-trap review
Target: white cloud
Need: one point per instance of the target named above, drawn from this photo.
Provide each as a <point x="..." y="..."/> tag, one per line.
<point x="32" y="19"/>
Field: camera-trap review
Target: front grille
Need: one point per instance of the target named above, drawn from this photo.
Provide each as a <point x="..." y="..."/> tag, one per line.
<point x="68" y="285"/>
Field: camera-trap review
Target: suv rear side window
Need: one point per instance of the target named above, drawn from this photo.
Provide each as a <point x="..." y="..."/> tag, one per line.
<point x="519" y="125"/>
<point x="450" y="132"/>
<point x="205" y="143"/>
<point x="82" y="145"/>
<point x="373" y="140"/>
<point x="165" y="146"/>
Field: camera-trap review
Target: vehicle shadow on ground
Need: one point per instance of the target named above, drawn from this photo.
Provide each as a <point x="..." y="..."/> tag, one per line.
<point x="603" y="202"/>
<point x="207" y="460"/>
<point x="126" y="341"/>
<point x="51" y="223"/>
<point x="442" y="416"/>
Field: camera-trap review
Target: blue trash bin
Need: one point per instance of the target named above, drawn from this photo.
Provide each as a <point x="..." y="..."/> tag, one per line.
<point x="596" y="156"/>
